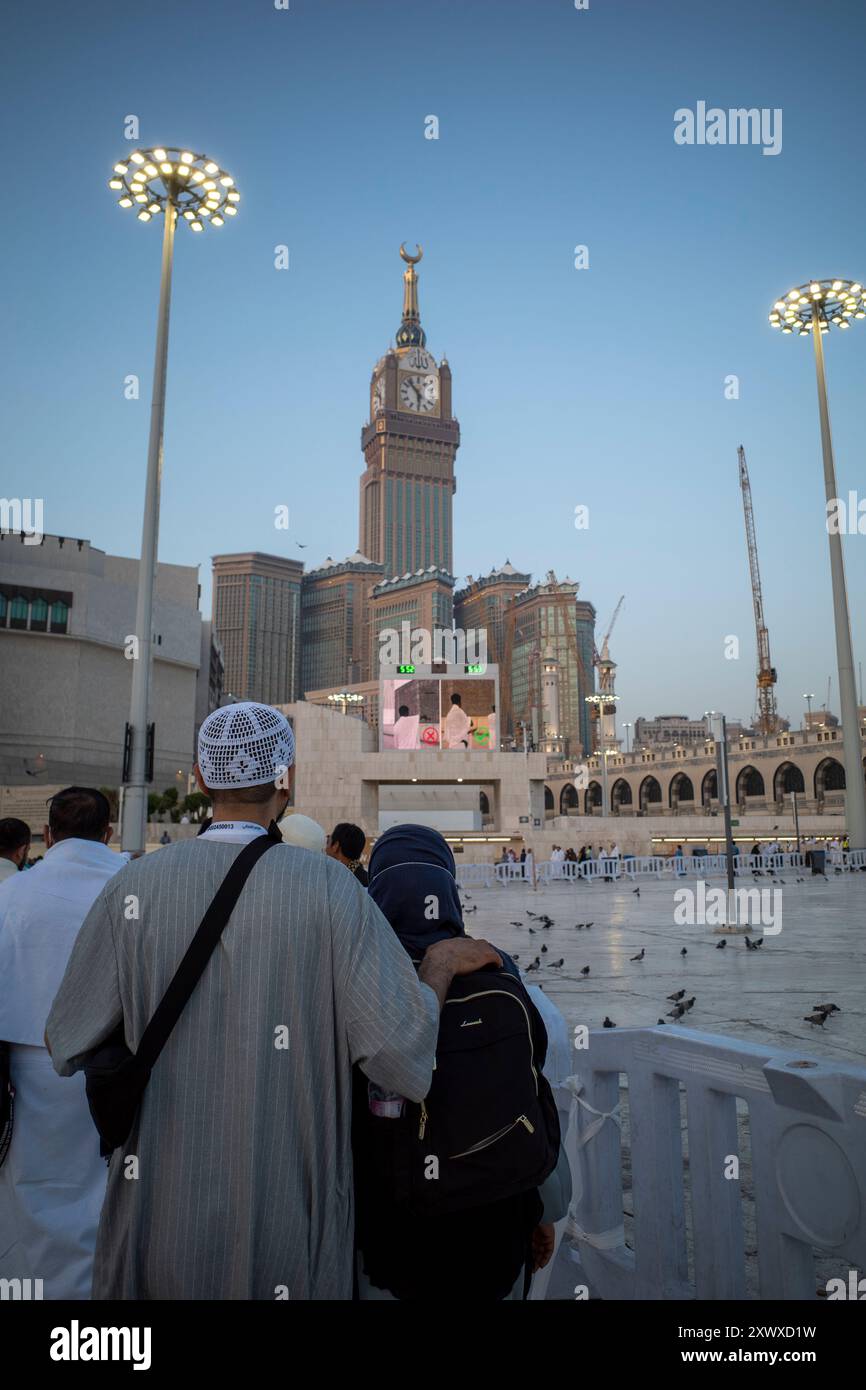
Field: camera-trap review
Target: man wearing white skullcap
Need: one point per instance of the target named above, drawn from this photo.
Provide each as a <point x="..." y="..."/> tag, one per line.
<point x="242" y="1140"/>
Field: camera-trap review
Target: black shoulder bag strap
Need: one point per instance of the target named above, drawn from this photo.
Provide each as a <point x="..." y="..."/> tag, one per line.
<point x="202" y="947"/>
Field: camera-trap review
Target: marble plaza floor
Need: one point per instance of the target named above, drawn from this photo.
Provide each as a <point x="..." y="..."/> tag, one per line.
<point x="758" y="996"/>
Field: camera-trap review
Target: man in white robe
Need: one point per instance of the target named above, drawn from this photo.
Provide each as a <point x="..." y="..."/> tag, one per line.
<point x="52" y="1184"/>
<point x="458" y="725"/>
<point x="243" y="1185"/>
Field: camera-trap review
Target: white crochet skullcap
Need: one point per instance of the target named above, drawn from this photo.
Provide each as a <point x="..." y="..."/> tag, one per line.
<point x="244" y="745"/>
<point x="301" y="831"/>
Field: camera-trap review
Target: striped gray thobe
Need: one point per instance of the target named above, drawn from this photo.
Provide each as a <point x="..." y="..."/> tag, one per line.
<point x="242" y="1188"/>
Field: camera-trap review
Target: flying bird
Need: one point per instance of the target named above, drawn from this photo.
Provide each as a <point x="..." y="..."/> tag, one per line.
<point x="531" y="931"/>
<point x="635" y="892"/>
<point x="721" y="946"/>
<point x="684" y="952"/>
<point x="759" y="942"/>
<point x="585" y="971"/>
<point x="515" y="924"/>
<point x="676" y="997"/>
<point x="827" y="1008"/>
<point x="640" y="955"/>
<point x="749" y="946"/>
<point x="578" y="926"/>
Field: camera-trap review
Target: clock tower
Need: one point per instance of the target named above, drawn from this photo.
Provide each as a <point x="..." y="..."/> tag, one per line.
<point x="409" y="447"/>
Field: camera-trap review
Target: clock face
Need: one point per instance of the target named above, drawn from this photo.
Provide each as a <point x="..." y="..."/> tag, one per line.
<point x="418" y="359"/>
<point x="419" y="393"/>
<point x="379" y="396"/>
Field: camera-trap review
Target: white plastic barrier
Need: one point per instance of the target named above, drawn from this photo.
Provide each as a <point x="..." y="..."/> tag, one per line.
<point x="475" y="875"/>
<point x="807" y="1123"/>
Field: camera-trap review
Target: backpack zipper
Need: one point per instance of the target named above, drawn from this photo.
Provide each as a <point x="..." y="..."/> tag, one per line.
<point x="521" y="1119"/>
<point x="485" y="1143"/>
<point x="481" y="995"/>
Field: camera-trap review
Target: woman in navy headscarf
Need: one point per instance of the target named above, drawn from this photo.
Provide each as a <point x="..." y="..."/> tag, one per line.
<point x="409" y="865"/>
<point x="476" y="1255"/>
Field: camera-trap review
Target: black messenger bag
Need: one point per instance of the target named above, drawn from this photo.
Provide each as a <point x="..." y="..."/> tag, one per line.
<point x="116" y="1078"/>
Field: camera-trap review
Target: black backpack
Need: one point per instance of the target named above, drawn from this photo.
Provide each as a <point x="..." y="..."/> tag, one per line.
<point x="488" y="1128"/>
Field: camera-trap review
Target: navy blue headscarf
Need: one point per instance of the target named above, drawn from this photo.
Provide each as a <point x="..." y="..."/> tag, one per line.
<point x="408" y="865"/>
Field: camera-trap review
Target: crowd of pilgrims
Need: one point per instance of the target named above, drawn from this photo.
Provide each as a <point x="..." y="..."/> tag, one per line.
<point x="317" y="1125"/>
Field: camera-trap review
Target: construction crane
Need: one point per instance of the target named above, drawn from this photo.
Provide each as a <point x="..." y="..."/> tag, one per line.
<point x="606" y="638"/>
<point x="767" y="715"/>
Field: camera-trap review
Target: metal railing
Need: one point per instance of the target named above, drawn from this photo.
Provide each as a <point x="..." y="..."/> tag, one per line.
<point x="654" y="865"/>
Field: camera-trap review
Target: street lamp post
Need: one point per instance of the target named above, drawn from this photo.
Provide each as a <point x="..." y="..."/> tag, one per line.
<point x="717" y="726"/>
<point x="809" y="699"/>
<point x="177" y="184"/>
<point x="627" y="727"/>
<point x="812" y="309"/>
<point x="600" y="701"/>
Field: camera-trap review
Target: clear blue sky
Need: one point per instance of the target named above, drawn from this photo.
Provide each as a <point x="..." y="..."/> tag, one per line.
<point x="602" y="386"/>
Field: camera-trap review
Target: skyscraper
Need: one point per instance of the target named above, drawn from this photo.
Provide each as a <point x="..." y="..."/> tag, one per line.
<point x="547" y="620"/>
<point x="409" y="447"/>
<point x="335" y="644"/>
<point x="257" y="620"/>
<point x="482" y="606"/>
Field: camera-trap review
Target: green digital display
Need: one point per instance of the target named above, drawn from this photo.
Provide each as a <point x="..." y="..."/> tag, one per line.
<point x="477" y="670"/>
<point x="405" y="670"/>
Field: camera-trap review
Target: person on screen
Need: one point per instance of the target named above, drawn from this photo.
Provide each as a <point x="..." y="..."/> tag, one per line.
<point x="405" y="728"/>
<point x="458" y="725"/>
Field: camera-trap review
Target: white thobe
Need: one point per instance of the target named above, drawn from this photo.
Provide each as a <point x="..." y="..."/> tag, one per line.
<point x="52" y="1184"/>
<point x="457" y="727"/>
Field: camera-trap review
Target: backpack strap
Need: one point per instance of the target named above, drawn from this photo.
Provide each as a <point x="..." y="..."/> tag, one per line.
<point x="202" y="946"/>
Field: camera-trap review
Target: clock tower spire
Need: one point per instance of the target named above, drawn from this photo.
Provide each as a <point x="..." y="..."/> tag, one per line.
<point x="410" y="332"/>
<point x="409" y="448"/>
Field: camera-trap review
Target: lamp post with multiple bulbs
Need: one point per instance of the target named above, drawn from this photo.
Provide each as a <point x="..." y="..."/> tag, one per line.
<point x="600" y="701"/>
<point x="809" y="698"/>
<point x="345" y="698"/>
<point x="172" y="183"/>
<point x="812" y="308"/>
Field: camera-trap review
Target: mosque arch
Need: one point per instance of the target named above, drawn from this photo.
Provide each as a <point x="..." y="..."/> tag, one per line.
<point x="709" y="787"/>
<point x="786" y="779"/>
<point x="829" y="777"/>
<point x="680" y="789"/>
<point x="593" y="797"/>
<point x="620" y="795"/>
<point x="650" y="793"/>
<point x="568" y="800"/>
<point x="749" y="783"/>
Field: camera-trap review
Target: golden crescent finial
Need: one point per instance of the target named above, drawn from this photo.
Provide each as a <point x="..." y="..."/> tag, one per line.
<point x="411" y="260"/>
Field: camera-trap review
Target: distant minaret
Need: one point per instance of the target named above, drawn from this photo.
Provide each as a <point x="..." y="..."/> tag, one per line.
<point x="552" y="735"/>
<point x="606" y="682"/>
